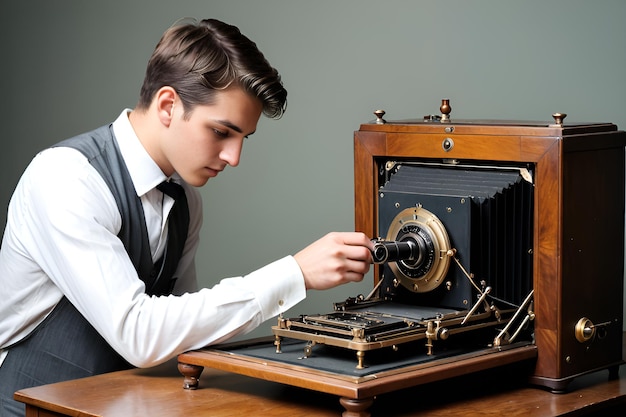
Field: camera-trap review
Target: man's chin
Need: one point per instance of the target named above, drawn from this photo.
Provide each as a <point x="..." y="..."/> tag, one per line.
<point x="200" y="182"/>
<point x="197" y="181"/>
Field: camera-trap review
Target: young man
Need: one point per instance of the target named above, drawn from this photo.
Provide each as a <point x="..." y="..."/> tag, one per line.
<point x="97" y="260"/>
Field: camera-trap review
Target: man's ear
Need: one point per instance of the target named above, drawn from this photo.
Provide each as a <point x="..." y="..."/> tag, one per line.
<point x="164" y="99"/>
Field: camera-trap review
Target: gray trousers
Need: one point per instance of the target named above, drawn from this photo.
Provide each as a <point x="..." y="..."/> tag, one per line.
<point x="65" y="346"/>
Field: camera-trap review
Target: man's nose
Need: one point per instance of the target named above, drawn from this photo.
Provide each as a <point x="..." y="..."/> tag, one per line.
<point x="231" y="153"/>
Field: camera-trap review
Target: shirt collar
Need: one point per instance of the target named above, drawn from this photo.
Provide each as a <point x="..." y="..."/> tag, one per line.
<point x="144" y="172"/>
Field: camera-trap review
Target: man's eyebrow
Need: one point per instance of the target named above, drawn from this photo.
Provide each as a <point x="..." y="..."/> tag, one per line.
<point x="232" y="126"/>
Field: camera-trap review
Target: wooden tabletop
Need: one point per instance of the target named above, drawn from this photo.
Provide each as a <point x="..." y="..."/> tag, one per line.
<point x="158" y="392"/>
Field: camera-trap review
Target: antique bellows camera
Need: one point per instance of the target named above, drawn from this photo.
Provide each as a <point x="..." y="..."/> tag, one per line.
<point x="495" y="242"/>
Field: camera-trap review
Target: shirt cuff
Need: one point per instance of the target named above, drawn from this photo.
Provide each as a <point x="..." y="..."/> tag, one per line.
<point x="277" y="286"/>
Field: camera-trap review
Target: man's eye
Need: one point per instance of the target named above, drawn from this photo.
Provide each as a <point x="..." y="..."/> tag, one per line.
<point x="220" y="133"/>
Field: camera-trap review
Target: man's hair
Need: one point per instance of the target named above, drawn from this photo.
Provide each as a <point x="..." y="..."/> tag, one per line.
<point x="197" y="59"/>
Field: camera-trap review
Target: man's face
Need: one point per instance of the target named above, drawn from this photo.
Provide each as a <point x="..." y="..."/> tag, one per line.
<point x="211" y="138"/>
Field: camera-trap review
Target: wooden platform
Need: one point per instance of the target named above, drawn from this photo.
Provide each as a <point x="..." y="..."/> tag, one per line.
<point x="159" y="392"/>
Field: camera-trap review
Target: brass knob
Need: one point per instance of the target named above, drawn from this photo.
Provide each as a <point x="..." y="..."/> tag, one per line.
<point x="559" y="117"/>
<point x="443" y="333"/>
<point x="445" y="109"/>
<point x="379" y="117"/>
<point x="584" y="330"/>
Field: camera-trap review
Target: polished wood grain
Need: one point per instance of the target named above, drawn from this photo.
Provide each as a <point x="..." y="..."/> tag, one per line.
<point x="591" y="153"/>
<point x="158" y="392"/>
<point x="355" y="393"/>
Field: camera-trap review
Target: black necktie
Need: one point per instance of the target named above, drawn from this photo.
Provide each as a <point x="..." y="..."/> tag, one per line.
<point x="178" y="227"/>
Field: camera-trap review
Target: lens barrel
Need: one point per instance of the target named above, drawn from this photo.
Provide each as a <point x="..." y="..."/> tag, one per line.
<point x="393" y="250"/>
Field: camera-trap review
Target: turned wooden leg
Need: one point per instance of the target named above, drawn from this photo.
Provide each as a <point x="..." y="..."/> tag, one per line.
<point x="191" y="374"/>
<point x="356" y="408"/>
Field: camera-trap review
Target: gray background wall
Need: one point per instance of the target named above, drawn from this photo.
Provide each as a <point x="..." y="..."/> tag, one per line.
<point x="69" y="66"/>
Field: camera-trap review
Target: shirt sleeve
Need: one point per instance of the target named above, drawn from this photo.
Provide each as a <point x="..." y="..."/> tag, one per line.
<point x="72" y="222"/>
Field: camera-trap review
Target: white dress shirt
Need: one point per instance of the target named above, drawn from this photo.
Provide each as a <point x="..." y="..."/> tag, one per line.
<point x="61" y="239"/>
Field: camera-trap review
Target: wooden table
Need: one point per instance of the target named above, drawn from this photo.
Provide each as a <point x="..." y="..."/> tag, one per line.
<point x="158" y="392"/>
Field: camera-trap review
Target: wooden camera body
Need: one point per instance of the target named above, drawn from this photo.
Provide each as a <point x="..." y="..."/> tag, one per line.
<point x="577" y="252"/>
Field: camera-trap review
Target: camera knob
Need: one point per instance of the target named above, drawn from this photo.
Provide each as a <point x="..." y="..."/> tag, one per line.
<point x="559" y="117"/>
<point x="379" y="117"/>
<point x="445" y="109"/>
<point x="584" y="330"/>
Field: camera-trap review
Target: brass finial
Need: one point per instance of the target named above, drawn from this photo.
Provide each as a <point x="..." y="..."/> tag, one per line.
<point x="559" y="117"/>
<point x="379" y="117"/>
<point x="445" y="110"/>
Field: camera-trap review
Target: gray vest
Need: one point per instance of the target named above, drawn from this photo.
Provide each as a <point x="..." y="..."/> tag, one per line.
<point x="104" y="155"/>
<point x="65" y="346"/>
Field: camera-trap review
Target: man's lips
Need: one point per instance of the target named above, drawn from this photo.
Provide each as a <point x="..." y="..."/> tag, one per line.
<point x="213" y="172"/>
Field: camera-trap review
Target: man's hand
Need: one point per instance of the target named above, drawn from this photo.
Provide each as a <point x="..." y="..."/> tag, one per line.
<point x="335" y="259"/>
